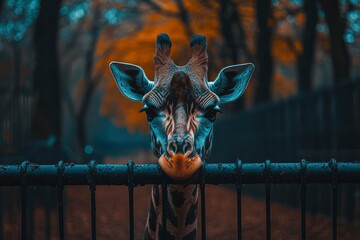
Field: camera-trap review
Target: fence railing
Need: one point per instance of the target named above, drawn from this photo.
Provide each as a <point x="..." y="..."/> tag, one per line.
<point x="131" y="175"/>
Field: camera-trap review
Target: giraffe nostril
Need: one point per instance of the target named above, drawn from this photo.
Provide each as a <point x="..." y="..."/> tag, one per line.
<point x="179" y="147"/>
<point x="187" y="148"/>
<point x="172" y="148"/>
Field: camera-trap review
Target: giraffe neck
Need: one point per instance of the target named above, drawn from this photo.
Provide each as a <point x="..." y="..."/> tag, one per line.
<point x="181" y="219"/>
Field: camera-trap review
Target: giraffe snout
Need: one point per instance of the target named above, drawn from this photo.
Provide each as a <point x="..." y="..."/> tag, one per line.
<point x="180" y="146"/>
<point x="180" y="161"/>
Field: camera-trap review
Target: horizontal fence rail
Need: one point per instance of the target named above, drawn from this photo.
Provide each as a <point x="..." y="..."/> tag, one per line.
<point x="131" y="174"/>
<point x="220" y="173"/>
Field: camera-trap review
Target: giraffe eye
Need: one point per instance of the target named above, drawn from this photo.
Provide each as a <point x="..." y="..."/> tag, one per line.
<point x="151" y="114"/>
<point x="211" y="115"/>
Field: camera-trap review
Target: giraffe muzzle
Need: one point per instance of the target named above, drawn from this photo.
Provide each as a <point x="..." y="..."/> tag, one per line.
<point x="179" y="166"/>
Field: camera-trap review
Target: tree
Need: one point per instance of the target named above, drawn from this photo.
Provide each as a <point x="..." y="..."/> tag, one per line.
<point x="101" y="15"/>
<point x="184" y="16"/>
<point x="233" y="31"/>
<point x="16" y="18"/>
<point x="263" y="55"/>
<point x="91" y="83"/>
<point x="234" y="37"/>
<point x="138" y="48"/>
<point x="1" y="5"/>
<point x="181" y="13"/>
<point x="337" y="25"/>
<point x="91" y="20"/>
<point x="47" y="116"/>
<point x="306" y="58"/>
<point x="15" y="21"/>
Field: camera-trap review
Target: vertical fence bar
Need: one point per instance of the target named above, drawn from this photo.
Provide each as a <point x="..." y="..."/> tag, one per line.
<point x="23" y="169"/>
<point x="1" y="213"/>
<point x="238" y="197"/>
<point x="92" y="171"/>
<point x="334" y="170"/>
<point x="131" y="197"/>
<point x="60" y="187"/>
<point x="47" y="215"/>
<point x="267" y="171"/>
<point x="303" y="167"/>
<point x="164" y="200"/>
<point x="202" y="192"/>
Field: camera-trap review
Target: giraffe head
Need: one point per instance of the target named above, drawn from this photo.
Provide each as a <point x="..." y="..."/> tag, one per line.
<point x="180" y="104"/>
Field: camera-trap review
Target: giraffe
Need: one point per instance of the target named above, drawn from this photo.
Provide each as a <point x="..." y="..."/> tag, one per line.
<point x="181" y="107"/>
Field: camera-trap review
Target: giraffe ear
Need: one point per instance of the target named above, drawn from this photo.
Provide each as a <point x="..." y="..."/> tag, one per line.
<point x="131" y="80"/>
<point x="231" y="82"/>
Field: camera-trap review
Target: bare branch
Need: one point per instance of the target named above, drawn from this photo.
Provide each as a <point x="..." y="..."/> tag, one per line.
<point x="155" y="6"/>
<point x="184" y="17"/>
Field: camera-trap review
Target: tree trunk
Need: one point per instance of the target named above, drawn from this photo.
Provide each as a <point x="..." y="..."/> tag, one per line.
<point x="264" y="60"/>
<point x="15" y="98"/>
<point x="306" y="58"/>
<point x="47" y="116"/>
<point x="233" y="31"/>
<point x="234" y="37"/>
<point x="228" y="16"/>
<point x="184" y="17"/>
<point x="17" y="66"/>
<point x="81" y="116"/>
<point x="2" y="2"/>
<point x="337" y="25"/>
<point x="91" y="83"/>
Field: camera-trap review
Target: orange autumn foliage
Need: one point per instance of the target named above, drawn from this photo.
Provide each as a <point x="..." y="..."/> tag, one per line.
<point x="138" y="48"/>
<point x="286" y="50"/>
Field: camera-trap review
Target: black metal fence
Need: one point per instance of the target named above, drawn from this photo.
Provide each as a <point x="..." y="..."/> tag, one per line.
<point x="238" y="174"/>
<point x="317" y="125"/>
<point x="16" y="107"/>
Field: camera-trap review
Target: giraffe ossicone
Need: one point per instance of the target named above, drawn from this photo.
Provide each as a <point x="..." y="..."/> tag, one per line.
<point x="181" y="107"/>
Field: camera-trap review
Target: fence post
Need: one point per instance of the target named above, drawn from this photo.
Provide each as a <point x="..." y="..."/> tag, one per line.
<point x="164" y="208"/>
<point x="202" y="193"/>
<point x="239" y="197"/>
<point x="303" y="172"/>
<point x="23" y="169"/>
<point x="334" y="172"/>
<point x="267" y="172"/>
<point x="60" y="187"/>
<point x="131" y="197"/>
<point x="92" y="185"/>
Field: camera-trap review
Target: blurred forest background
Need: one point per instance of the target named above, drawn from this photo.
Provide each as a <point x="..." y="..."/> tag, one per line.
<point x="56" y="85"/>
<point x="58" y="99"/>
